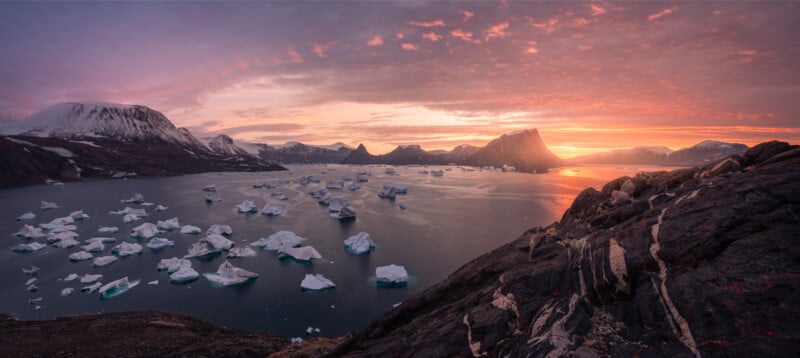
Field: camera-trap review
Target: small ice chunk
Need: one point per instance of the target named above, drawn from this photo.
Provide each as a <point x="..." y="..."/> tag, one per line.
<point x="30" y="247"/>
<point x="173" y="264"/>
<point x="78" y="215"/>
<point x="67" y="291"/>
<point x="335" y="203"/>
<point x="80" y="256"/>
<point x="220" y="230"/>
<point x="201" y="249"/>
<point x="137" y="198"/>
<point x="309" y="330"/>
<point x="169" y="224"/>
<point x="359" y="243"/>
<point x="354" y="186"/>
<point x="89" y="278"/>
<point x="126" y="249"/>
<point x="130" y="217"/>
<point x="423" y="172"/>
<point x="390" y="191"/>
<point x="63" y="228"/>
<point x="34" y="301"/>
<point x="144" y="231"/>
<point x="334" y="185"/>
<point x="271" y="210"/>
<point x="117" y="287"/>
<point x="147" y="204"/>
<point x="210" y="188"/>
<point x="296" y="340"/>
<point x="130" y="211"/>
<point x="347" y="178"/>
<point x="218" y="242"/>
<point x="32" y="288"/>
<point x="246" y="207"/>
<point x="58" y="236"/>
<point x="108" y="229"/>
<point x="305" y="253"/>
<point x="30" y="232"/>
<point x="47" y="205"/>
<point x="228" y="275"/>
<point x="104" y="240"/>
<point x="94" y="246"/>
<point x="278" y="240"/>
<point x="103" y="261"/>
<point x="345" y="214"/>
<point x="279" y="196"/>
<point x="403" y="206"/>
<point x="318" y="194"/>
<point x="213" y="199"/>
<point x="361" y="178"/>
<point x="437" y="173"/>
<point x="27" y="216"/>
<point x="66" y="243"/>
<point x="152" y="283"/>
<point x="189" y="229"/>
<point x="241" y="252"/>
<point x="183" y="275"/>
<point x="161" y="208"/>
<point x="71" y="277"/>
<point x="91" y="288"/>
<point x="391" y="275"/>
<point x="31" y="281"/>
<point x="316" y="282"/>
<point x="158" y="243"/>
<point x="397" y="304"/>
<point x="30" y="270"/>
<point x="58" y="222"/>
<point x="313" y="179"/>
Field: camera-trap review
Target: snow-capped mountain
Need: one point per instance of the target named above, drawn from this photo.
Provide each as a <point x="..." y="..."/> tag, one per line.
<point x="698" y="154"/>
<point x="705" y="152"/>
<point x="296" y="152"/>
<point x="224" y="145"/>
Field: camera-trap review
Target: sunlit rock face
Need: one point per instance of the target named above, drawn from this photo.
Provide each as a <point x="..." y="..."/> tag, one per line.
<point x="698" y="262"/>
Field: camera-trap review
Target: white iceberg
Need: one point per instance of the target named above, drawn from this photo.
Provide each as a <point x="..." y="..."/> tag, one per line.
<point x="201" y="249"/>
<point x="161" y="208"/>
<point x="437" y="173"/>
<point x="30" y="247"/>
<point x="130" y="211"/>
<point x="304" y="253"/>
<point x="246" y="207"/>
<point x="318" y="194"/>
<point x="104" y="240"/>
<point x="335" y="185"/>
<point x="30" y="232"/>
<point x="279" y="196"/>
<point x="67" y="291"/>
<point x="313" y="179"/>
<point x="354" y="186"/>
<point x="390" y="191"/>
<point x="213" y="199"/>
<point x="173" y="264"/>
<point x="117" y="287"/>
<point x="316" y="282"/>
<point x="108" y="229"/>
<point x="89" y="278"/>
<point x="63" y="228"/>
<point x="80" y="256"/>
<point x="144" y="231"/>
<point x="31" y="270"/>
<point x="335" y="203"/>
<point x="218" y="242"/>
<point x="27" y="216"/>
<point x="241" y="252"/>
<point x="147" y="204"/>
<point x="78" y="215"/>
<point x="345" y="214"/>
<point x="228" y="275"/>
<point x="58" y="222"/>
<point x="220" y="230"/>
<point x="58" y="236"/>
<point x="403" y="206"/>
<point x="391" y="275"/>
<point x="130" y="217"/>
<point x="278" y="240"/>
<point x="271" y="210"/>
<point x="158" y="243"/>
<point x="152" y="283"/>
<point x="135" y="199"/>
<point x="66" y="243"/>
<point x="361" y="178"/>
<point x="210" y="188"/>
<point x="31" y="281"/>
<point x="169" y="224"/>
<point x="184" y="274"/>
<point x="46" y="205"/>
<point x="91" y="288"/>
<point x="189" y="229"/>
<point x="359" y="243"/>
<point x="71" y="277"/>
<point x="126" y="249"/>
<point x="103" y="261"/>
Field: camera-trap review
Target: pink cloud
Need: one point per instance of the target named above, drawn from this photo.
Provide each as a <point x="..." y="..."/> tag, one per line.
<point x="498" y="30"/>
<point x="467" y="14"/>
<point x="432" y="36"/>
<point x="597" y="10"/>
<point x="549" y="26"/>
<point x="434" y="23"/>
<point x="581" y="21"/>
<point x="320" y="49"/>
<point x="466" y="36"/>
<point x="662" y="13"/>
<point x="375" y="41"/>
<point x="294" y="56"/>
<point x="409" y="46"/>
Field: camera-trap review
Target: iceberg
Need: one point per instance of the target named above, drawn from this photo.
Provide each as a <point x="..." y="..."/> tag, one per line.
<point x="246" y="207"/>
<point x="316" y="282"/>
<point x="130" y="217"/>
<point x="103" y="261"/>
<point x="437" y="173"/>
<point x="347" y="178"/>
<point x="30" y="232"/>
<point x="335" y="185"/>
<point x="66" y="243"/>
<point x="335" y="203"/>
<point x="229" y="275"/>
<point x="31" y="270"/>
<point x="359" y="244"/>
<point x="63" y="228"/>
<point x="25" y="248"/>
<point x="201" y="249"/>
<point x="241" y="252"/>
<point x="278" y="240"/>
<point x="147" y="204"/>
<point x="189" y="229"/>
<point x="220" y="230"/>
<point x="354" y="186"/>
<point x="71" y="277"/>
<point x="89" y="278"/>
<point x="152" y="283"/>
<point x="390" y="191"/>
<point x="318" y="194"/>
<point x="278" y="196"/>
<point x="126" y="249"/>
<point x="47" y="205"/>
<point x="403" y="206"/>
<point x="271" y="210"/>
<point x="213" y="199"/>
<point x="361" y="178"/>
<point x="80" y="256"/>
<point x="117" y="287"/>
<point x="158" y="243"/>
<point x="161" y="208"/>
<point x="108" y="229"/>
<point x="104" y="240"/>
<point x="130" y="211"/>
<point x="391" y="275"/>
<point x="31" y="281"/>
<point x="173" y="264"/>
<point x="144" y="231"/>
<point x="135" y="199"/>
<point x="210" y="188"/>
<point x="58" y="236"/>
<point x="170" y="224"/>
<point x="32" y="288"/>
<point x="313" y="179"/>
<point x="27" y="216"/>
<point x="183" y="275"/>
<point x="218" y="242"/>
<point x="345" y="214"/>
<point x="304" y="253"/>
<point x="78" y="215"/>
<point x="91" y="288"/>
<point x="67" y="291"/>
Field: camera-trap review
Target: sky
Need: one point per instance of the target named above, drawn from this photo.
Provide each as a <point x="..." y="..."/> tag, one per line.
<point x="591" y="76"/>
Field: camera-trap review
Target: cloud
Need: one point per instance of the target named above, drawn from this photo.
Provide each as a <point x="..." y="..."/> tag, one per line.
<point x="409" y="46"/>
<point x="597" y="10"/>
<point x="662" y="13"/>
<point x="434" y="23"/>
<point x="532" y="48"/>
<point x="294" y="56"/>
<point x="375" y="41"/>
<point x="466" y="36"/>
<point x="467" y="14"/>
<point x="498" y="30"/>
<point x="320" y="49"/>
<point x="431" y="36"/>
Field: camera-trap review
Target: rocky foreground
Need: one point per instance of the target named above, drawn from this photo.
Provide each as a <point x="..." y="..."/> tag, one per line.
<point x="693" y="262"/>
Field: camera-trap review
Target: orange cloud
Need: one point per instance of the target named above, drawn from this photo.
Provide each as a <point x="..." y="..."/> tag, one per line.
<point x="548" y="26"/>
<point x="409" y="46"/>
<point x="498" y="30"/>
<point x="467" y="14"/>
<point x="431" y="36"/>
<point x="532" y="48"/>
<point x="434" y="23"/>
<point x="466" y="36"/>
<point x="375" y="41"/>
<point x="294" y="56"/>
<point x="581" y="21"/>
<point x="662" y="13"/>
<point x="597" y="10"/>
<point x="320" y="49"/>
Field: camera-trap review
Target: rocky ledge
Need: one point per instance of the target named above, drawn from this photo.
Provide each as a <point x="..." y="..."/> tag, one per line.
<point x="693" y="262"/>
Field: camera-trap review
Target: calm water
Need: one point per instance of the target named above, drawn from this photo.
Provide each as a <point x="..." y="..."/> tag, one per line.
<point x="450" y="220"/>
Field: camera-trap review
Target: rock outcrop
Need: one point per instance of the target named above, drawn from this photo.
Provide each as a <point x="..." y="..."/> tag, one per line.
<point x="693" y="262"/>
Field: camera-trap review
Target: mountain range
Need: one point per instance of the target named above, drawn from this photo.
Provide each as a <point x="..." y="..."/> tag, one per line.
<point x="698" y="154"/>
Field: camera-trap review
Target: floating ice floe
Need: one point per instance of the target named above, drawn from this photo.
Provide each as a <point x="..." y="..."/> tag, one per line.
<point x="103" y="261"/>
<point x="271" y="210"/>
<point x="213" y="199"/>
<point x="335" y="185"/>
<point x="183" y="275"/>
<point x="30" y="232"/>
<point x="169" y="224"/>
<point x="302" y="181"/>
<point x="63" y="228"/>
<point x="246" y="207"/>
<point x="361" y="178"/>
<point x="117" y="287"/>
<point x="89" y="278"/>
<point x="31" y="281"/>
<point x="210" y="188"/>
<point x="220" y="229"/>
<point x="58" y="222"/>
<point x="34" y="301"/>
<point x="131" y="211"/>
<point x="278" y="196"/>
<point x="437" y="173"/>
<point x="147" y="204"/>
<point x="390" y="171"/>
<point x="91" y="288"/>
<point x="304" y="253"/>
<point x="423" y="172"/>
<point x="241" y="252"/>
<point x="78" y="215"/>
<point x="310" y="330"/>
<point x="158" y="243"/>
<point x="161" y="208"/>
<point x="27" y="216"/>
<point x="354" y="186"/>
<point x="345" y="214"/>
<point x="80" y="256"/>
<point x="347" y="178"/>
<point x="201" y="249"/>
<point x="334" y="203"/>
<point x="189" y="229"/>
<point x="47" y="205"/>
<point x="173" y="264"/>
<point x="218" y="242"/>
<point x="391" y="275"/>
<point x="104" y="240"/>
<point x="67" y="291"/>
<point x="30" y="270"/>
<point x="316" y="282"/>
<point x="229" y="275"/>
<point x="268" y="186"/>
<point x="108" y="229"/>
<point x="130" y="217"/>
<point x="66" y="243"/>
<point x="313" y="179"/>
<point x="144" y="231"/>
<point x="278" y="240"/>
<point x="29" y="247"/>
<point x="359" y="244"/>
<point x="152" y="283"/>
<point x="32" y="288"/>
<point x="296" y="340"/>
<point x="54" y="237"/>
<point x="71" y="277"/>
<point x="390" y="191"/>
<point x="318" y="194"/>
<point x="126" y="249"/>
<point x="135" y="199"/>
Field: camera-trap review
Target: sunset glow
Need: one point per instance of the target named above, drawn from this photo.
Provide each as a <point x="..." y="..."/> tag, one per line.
<point x="590" y="76"/>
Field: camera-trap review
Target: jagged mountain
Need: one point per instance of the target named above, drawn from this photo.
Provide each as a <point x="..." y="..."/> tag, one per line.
<point x="699" y="154"/>
<point x="460" y="153"/>
<point x="225" y="146"/>
<point x="695" y="262"/>
<point x="360" y="156"/>
<point x="524" y="150"/>
<point x="299" y="153"/>
<point x="637" y="155"/>
<point x="704" y="153"/>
